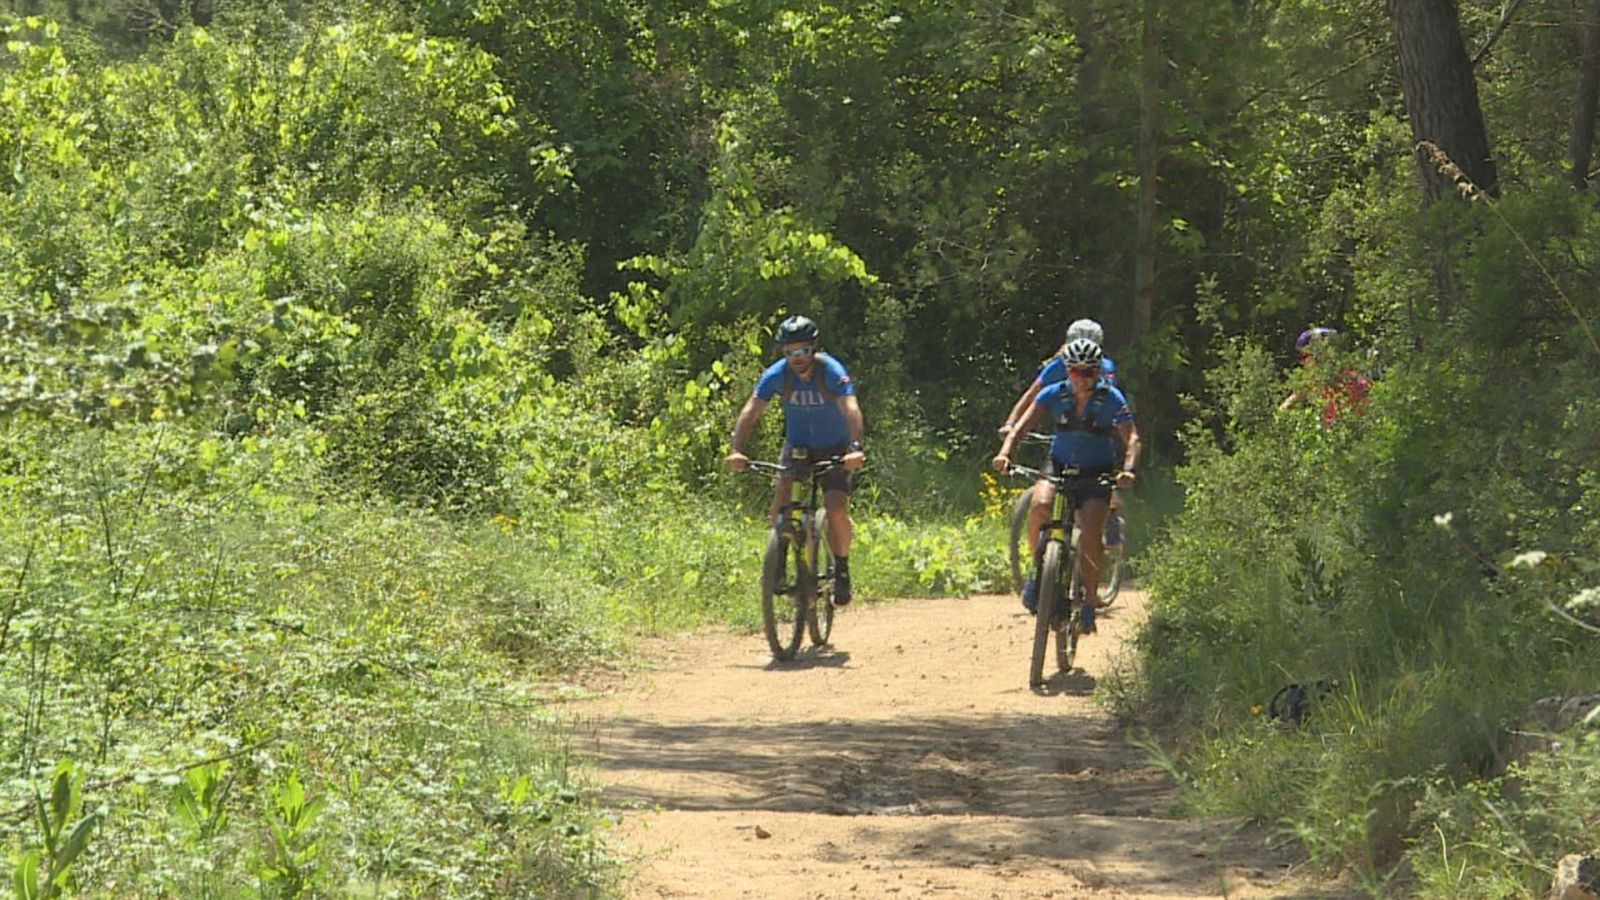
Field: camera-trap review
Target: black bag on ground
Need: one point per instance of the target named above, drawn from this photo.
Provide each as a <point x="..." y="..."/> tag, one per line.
<point x="1292" y="703"/>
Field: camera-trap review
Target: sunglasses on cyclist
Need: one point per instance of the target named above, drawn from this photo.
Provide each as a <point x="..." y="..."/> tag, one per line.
<point x="798" y="352"/>
<point x="1085" y="371"/>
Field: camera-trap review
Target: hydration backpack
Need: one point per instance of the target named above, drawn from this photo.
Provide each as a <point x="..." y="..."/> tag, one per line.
<point x="1089" y="421"/>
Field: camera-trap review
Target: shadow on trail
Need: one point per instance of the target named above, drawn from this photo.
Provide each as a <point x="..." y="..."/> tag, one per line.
<point x="815" y="658"/>
<point x="1076" y="683"/>
<point x="1068" y="792"/>
<point x="1030" y="766"/>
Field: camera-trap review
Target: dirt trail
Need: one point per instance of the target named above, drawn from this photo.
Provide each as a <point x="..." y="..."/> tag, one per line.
<point x="909" y="759"/>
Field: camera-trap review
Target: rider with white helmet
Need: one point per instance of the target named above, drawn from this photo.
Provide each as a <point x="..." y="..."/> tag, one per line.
<point x="1055" y="368"/>
<point x="1090" y="417"/>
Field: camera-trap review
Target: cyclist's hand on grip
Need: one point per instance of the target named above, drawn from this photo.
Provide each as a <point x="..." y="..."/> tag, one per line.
<point x="854" y="460"/>
<point x="1125" y="479"/>
<point x="737" y="461"/>
<point x="1002" y="462"/>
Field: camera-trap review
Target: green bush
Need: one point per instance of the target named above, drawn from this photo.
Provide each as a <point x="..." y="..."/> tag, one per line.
<point x="363" y="677"/>
<point x="1377" y="552"/>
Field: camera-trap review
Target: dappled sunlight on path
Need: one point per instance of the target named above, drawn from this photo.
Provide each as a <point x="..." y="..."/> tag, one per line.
<point x="909" y="758"/>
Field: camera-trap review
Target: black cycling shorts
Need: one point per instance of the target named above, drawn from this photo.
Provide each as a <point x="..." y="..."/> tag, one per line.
<point x="1090" y="489"/>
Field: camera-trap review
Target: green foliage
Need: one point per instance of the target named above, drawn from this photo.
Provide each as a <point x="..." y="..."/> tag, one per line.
<point x="360" y="352"/>
<point x="46" y="873"/>
<point x="199" y="802"/>
<point x="1500" y="839"/>
<point x="290" y="862"/>
<point x="1378" y="550"/>
<point x="304" y="642"/>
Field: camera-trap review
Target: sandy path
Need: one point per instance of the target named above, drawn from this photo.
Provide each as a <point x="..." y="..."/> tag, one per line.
<point x="908" y="759"/>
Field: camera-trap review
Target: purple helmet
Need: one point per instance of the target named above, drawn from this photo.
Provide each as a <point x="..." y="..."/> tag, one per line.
<point x="1312" y="334"/>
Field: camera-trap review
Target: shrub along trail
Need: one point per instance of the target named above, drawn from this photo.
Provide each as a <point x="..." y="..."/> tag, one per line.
<point x="908" y="759"/>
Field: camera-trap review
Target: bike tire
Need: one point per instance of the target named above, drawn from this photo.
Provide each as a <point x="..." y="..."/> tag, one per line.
<point x="1049" y="597"/>
<point x="1111" y="575"/>
<point x="781" y="597"/>
<point x="819" y="617"/>
<point x="1019" y="524"/>
<point x="1067" y="630"/>
<point x="1111" y="565"/>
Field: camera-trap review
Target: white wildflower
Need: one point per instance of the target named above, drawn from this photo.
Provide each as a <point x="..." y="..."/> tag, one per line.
<point x="1586" y="601"/>
<point x="1531" y="559"/>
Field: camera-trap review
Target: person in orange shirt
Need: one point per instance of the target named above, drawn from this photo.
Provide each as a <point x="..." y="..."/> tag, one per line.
<point x="1346" y="393"/>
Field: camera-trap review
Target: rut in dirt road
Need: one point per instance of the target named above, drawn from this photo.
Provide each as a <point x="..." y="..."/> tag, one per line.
<point x="908" y="758"/>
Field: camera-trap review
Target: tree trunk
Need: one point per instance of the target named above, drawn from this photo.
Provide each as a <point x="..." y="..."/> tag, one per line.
<point x="1144" y="265"/>
<point x="1580" y="150"/>
<point x="1441" y="95"/>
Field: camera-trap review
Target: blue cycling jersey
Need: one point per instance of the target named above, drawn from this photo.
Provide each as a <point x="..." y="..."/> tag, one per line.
<point x="1085" y="439"/>
<point x="1056" y="370"/>
<point x="810" y="417"/>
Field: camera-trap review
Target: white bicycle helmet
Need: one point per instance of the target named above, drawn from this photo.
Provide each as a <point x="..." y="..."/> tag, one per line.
<point x="1086" y="328"/>
<point x="1081" y="352"/>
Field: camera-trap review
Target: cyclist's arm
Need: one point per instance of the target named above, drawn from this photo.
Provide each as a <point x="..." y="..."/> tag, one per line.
<point x="1128" y="433"/>
<point x="1023" y="403"/>
<point x="746" y="422"/>
<point x="1023" y="424"/>
<point x="852" y="415"/>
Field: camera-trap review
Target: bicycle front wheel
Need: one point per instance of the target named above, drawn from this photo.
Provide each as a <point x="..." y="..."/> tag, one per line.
<point x="782" y="580"/>
<point x="1019" y="524"/>
<point x="1067" y="625"/>
<point x="819" y="618"/>
<point x="1049" y="600"/>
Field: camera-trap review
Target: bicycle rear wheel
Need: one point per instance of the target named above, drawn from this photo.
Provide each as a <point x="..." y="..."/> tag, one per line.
<point x="1111" y="564"/>
<point x="1049" y="598"/>
<point x="819" y="618"/>
<point x="782" y="581"/>
<point x="1019" y="524"/>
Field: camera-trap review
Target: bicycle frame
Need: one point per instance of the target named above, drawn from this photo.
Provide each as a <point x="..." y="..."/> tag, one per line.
<point x="1059" y="528"/>
<point x="1058" y="596"/>
<point x="1062" y="509"/>
<point x="797" y="511"/>
<point x="796" y="529"/>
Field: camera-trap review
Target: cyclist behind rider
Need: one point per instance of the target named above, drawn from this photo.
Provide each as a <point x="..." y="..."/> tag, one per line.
<point x="1053" y="371"/>
<point x="1345" y="392"/>
<point x="820" y="416"/>
<point x="1090" y="415"/>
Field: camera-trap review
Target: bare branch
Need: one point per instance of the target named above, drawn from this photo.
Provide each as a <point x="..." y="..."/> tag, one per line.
<point x="1506" y="12"/>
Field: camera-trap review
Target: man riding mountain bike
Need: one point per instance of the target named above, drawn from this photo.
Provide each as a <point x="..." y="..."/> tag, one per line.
<point x="1090" y="414"/>
<point x="820" y="415"/>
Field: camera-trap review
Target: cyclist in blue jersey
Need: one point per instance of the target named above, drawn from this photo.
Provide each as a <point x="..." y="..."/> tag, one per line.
<point x="820" y="414"/>
<point x="1090" y="415"/>
<point x="1054" y="369"/>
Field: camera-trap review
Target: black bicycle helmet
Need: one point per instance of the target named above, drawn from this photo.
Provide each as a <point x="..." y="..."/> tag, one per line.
<point x="795" y="329"/>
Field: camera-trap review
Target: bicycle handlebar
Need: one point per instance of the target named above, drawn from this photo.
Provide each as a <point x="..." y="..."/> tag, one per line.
<point x="1067" y="478"/>
<point x="797" y="469"/>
